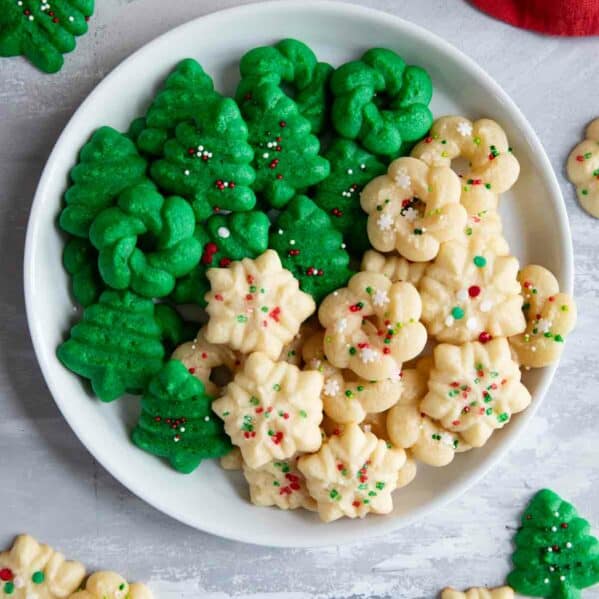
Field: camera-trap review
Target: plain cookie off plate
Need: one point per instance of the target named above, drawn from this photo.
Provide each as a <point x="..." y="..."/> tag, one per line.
<point x="211" y="499"/>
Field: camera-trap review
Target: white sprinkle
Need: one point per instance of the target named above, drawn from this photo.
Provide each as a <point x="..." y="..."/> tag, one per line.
<point x="363" y="166"/>
<point x="569" y="545"/>
<point x="331" y="388"/>
<point x="549" y="550"/>
<point x="556" y="514"/>
<point x="176" y="439"/>
<point x="554" y="528"/>
<point x="368" y="355"/>
<point x="18" y="582"/>
<point x="31" y="18"/>
<point x="543" y="325"/>
<point x="485" y="305"/>
<point x="206" y="418"/>
<point x="280" y="231"/>
<point x="380" y="297"/>
<point x="449" y="321"/>
<point x="472" y="324"/>
<point x="182" y="429"/>
<point x="201" y="148"/>
<point x="341" y="325"/>
<point x="464" y="128"/>
<point x="223" y="232"/>
<point x="462" y="295"/>
<point x="186" y="172"/>
<point x="265" y="155"/>
<point x="71" y="18"/>
<point x="410" y="214"/>
<point x="343" y="246"/>
<point x="350" y="171"/>
<point x="447" y="439"/>
<point x="226" y="184"/>
<point x="551" y="568"/>
<point x="292" y="242"/>
<point x="402" y="178"/>
<point x="20" y="3"/>
<point x="384" y="222"/>
<point x="546" y="581"/>
<point x="562" y="577"/>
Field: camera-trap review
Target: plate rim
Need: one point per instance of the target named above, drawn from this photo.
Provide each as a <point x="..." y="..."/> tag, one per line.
<point x="315" y="6"/>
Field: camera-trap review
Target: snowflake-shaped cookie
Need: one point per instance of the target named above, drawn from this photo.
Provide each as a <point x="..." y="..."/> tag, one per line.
<point x="110" y="585"/>
<point x="31" y="570"/>
<point x="550" y="316"/>
<point x="354" y="473"/>
<point x="471" y="293"/>
<point x="372" y="326"/>
<point x="413" y="209"/>
<point x="255" y="305"/>
<point x="346" y="397"/>
<point x="479" y="593"/>
<point x="583" y="169"/>
<point x="279" y="483"/>
<point x="272" y="410"/>
<point x="474" y="389"/>
<point x="394" y="267"/>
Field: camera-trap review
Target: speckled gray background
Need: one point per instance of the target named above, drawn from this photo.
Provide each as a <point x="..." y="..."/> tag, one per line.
<point x="51" y="487"/>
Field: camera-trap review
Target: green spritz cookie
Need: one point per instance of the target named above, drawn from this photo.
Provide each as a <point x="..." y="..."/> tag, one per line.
<point x="108" y="164"/>
<point x="338" y="195"/>
<point x="80" y="260"/>
<point x="146" y="241"/>
<point x="42" y="30"/>
<point x="311" y="248"/>
<point x="286" y="158"/>
<point x="555" y="555"/>
<point x="381" y="102"/>
<point x="209" y="161"/>
<point x="224" y="239"/>
<point x="117" y="345"/>
<point x="177" y="421"/>
<point x="293" y="64"/>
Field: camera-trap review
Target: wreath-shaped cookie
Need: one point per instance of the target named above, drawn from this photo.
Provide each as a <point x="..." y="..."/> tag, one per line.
<point x="583" y="169"/>
<point x="146" y="241"/>
<point x="372" y="326"/>
<point x="293" y="64"/>
<point x="550" y="316"/>
<point x="110" y="585"/>
<point x="413" y="209"/>
<point x="381" y="102"/>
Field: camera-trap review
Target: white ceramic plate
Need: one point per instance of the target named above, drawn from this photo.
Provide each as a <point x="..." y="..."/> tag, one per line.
<point x="211" y="499"/>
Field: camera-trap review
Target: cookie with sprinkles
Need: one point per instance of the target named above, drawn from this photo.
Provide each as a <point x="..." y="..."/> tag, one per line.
<point x="479" y="593"/>
<point x="338" y="195"/>
<point x="352" y="474"/>
<point x="556" y="556"/>
<point x="550" y="317"/>
<point x="394" y="267"/>
<point x="104" y="585"/>
<point x="272" y="410"/>
<point x="292" y="352"/>
<point x="31" y="569"/>
<point x="292" y="65"/>
<point x="286" y="154"/>
<point x="255" y="305"/>
<point x="310" y="247"/>
<point x="413" y="209"/>
<point x="474" y="389"/>
<point x="42" y="30"/>
<point x="583" y="169"/>
<point x="177" y="422"/>
<point x="80" y="260"/>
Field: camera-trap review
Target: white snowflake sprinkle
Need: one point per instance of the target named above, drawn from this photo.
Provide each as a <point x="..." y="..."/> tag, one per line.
<point x="410" y="214"/>
<point x="385" y="222"/>
<point x="472" y="324"/>
<point x="18" y="582"/>
<point x="543" y="325"/>
<point x="485" y="305"/>
<point x="403" y="179"/>
<point x="464" y="128"/>
<point x="447" y="439"/>
<point x="223" y="232"/>
<point x="380" y="297"/>
<point x="331" y="388"/>
<point x="341" y="325"/>
<point x="368" y="355"/>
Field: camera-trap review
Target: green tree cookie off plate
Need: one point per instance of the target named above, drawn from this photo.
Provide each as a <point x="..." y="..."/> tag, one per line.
<point x="210" y="498"/>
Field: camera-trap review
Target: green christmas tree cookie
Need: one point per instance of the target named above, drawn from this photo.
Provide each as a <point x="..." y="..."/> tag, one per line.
<point x="80" y="260"/>
<point x="293" y="64"/>
<point x="117" y="345"/>
<point x="108" y="164"/>
<point x="42" y="30"/>
<point x="177" y="422"/>
<point x="555" y="555"/>
<point x="209" y="161"/>
<point x="381" y="102"/>
<point x="339" y="194"/>
<point x="311" y="248"/>
<point x="286" y="158"/>
<point x="224" y="239"/>
<point x="146" y="241"/>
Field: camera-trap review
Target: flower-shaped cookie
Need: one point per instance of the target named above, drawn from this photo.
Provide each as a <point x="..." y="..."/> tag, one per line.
<point x="413" y="209"/>
<point x="394" y="267"/>
<point x="346" y="397"/>
<point x="110" y="585"/>
<point x="200" y="357"/>
<point x="583" y="169"/>
<point x="550" y="316"/>
<point x="409" y="428"/>
<point x="255" y="305"/>
<point x="272" y="410"/>
<point x="486" y="227"/>
<point x="30" y="569"/>
<point x="373" y="349"/>
<point x="474" y="389"/>
<point x="145" y="241"/>
<point x="479" y="593"/>
<point x="471" y="293"/>
<point x="354" y="473"/>
<point x="279" y="483"/>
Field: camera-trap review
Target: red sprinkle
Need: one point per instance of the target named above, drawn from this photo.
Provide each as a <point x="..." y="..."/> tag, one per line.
<point x="191" y="370"/>
<point x="356" y="503"/>
<point x="428" y="140"/>
<point x="283" y="124"/>
<point x="386" y="350"/>
<point x="473" y="290"/>
<point x="455" y="423"/>
<point x="564" y="525"/>
<point x="293" y="253"/>
<point x="275" y="313"/>
<point x="485" y="337"/>
<point x="224" y="262"/>
<point x="580" y="158"/>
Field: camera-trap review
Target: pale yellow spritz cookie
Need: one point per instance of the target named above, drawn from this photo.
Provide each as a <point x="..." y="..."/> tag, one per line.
<point x="372" y="326"/>
<point x="255" y="305"/>
<point x="486" y="227"/>
<point x="550" y="316"/>
<point x="479" y="593"/>
<point x="232" y="461"/>
<point x="353" y="473"/>
<point x="272" y="410"/>
<point x="394" y="267"/>
<point x="583" y="169"/>
<point x="110" y="585"/>
<point x="413" y="209"/>
<point x="30" y="569"/>
<point x="474" y="389"/>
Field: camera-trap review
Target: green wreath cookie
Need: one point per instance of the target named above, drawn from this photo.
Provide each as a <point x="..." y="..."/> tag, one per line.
<point x="145" y="242"/>
<point x="339" y="194"/>
<point x="224" y="239"/>
<point x="292" y="63"/>
<point x="311" y="248"/>
<point x="80" y="260"/>
<point x="286" y="158"/>
<point x="42" y="30"/>
<point x="381" y="102"/>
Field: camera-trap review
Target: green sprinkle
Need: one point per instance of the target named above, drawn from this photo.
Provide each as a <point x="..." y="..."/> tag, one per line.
<point x="352" y="351"/>
<point x="242" y="318"/>
<point x="9" y="587"/>
<point x="303" y="413"/>
<point x="489" y="411"/>
<point x="276" y="387"/>
<point x="526" y="307"/>
<point x="468" y="230"/>
<point x="121" y="586"/>
<point x="564" y="308"/>
<point x="264" y="308"/>
<point x="226" y="413"/>
<point x="360" y="387"/>
<point x="476" y="140"/>
<point x="418" y="231"/>
<point x="368" y="290"/>
<point x="548" y="335"/>
<point x="371" y="494"/>
<point x="488" y="185"/>
<point x="254" y="400"/>
<point x="348" y="393"/>
<point x="558" y="338"/>
<point x="480" y="261"/>
<point x="457" y="312"/>
<point x="276" y="483"/>
<point x="503" y="417"/>
<point x="363" y="486"/>
<point x="596" y="173"/>
<point x="380" y="485"/>
<point x="588" y="155"/>
<point x="334" y="494"/>
<point x="252" y="288"/>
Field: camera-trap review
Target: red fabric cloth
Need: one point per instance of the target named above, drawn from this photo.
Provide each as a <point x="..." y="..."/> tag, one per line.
<point x="554" y="17"/>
